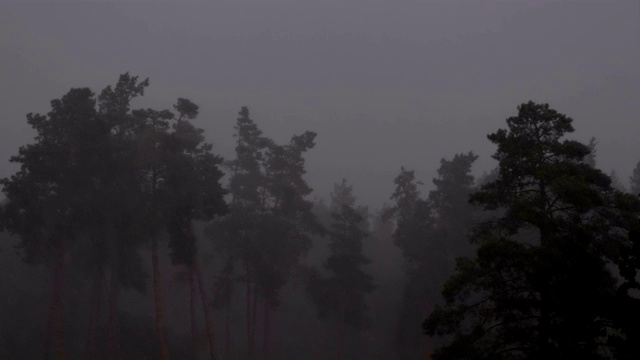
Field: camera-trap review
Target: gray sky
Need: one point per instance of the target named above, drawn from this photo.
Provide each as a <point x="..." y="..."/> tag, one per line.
<point x="384" y="84"/>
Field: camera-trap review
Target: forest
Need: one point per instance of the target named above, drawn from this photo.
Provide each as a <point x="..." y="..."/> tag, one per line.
<point x="126" y="236"/>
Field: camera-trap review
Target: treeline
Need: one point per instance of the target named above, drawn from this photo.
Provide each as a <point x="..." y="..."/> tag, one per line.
<point x="136" y="241"/>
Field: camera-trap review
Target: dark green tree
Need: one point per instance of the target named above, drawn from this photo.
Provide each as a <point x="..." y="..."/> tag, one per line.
<point x="538" y="287"/>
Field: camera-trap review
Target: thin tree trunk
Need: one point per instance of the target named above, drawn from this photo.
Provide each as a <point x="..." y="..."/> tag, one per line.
<point x="205" y="307"/>
<point x="342" y="334"/>
<point x="58" y="300"/>
<point x="227" y="334"/>
<point x="254" y="317"/>
<point x="192" y="308"/>
<point x="249" y="344"/>
<point x="50" y="320"/>
<point x="94" y="317"/>
<point x="114" y="287"/>
<point x="157" y="291"/>
<point x="265" y="335"/>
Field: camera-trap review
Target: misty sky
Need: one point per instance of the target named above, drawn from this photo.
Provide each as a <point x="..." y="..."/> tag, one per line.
<point x="384" y="84"/>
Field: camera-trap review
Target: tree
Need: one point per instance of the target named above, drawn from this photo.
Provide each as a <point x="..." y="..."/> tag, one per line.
<point x="270" y="219"/>
<point x="122" y="207"/>
<point x="341" y="295"/>
<point x="191" y="190"/>
<point x="634" y="180"/>
<point x="590" y="158"/>
<point x="431" y="233"/>
<point x="70" y="197"/>
<point x="538" y="286"/>
<point x="450" y="201"/>
<point x="43" y="198"/>
<point x="615" y="181"/>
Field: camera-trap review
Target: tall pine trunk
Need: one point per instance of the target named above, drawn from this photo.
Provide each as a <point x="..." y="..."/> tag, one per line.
<point x="94" y="316"/>
<point x="114" y="287"/>
<point x="57" y="301"/>
<point x="545" y="322"/>
<point x="205" y="307"/>
<point x="192" y="312"/>
<point x="265" y="335"/>
<point x="49" y="334"/>
<point x="254" y="317"/>
<point x="249" y="330"/>
<point x="228" y="351"/>
<point x="157" y="291"/>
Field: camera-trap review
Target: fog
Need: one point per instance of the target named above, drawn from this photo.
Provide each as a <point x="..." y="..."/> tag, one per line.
<point x="412" y="82"/>
<point x="384" y="84"/>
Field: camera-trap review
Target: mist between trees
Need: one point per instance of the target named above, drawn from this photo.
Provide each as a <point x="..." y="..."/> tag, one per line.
<point x="126" y="237"/>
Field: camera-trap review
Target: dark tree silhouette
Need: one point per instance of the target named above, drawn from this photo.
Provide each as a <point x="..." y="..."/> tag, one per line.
<point x="191" y="190"/>
<point x="538" y="286"/>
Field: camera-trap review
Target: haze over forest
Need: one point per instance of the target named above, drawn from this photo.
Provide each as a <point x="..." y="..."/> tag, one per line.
<point x="411" y="82"/>
<point x="320" y="179"/>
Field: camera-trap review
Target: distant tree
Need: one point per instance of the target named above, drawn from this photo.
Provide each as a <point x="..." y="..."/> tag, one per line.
<point x="341" y="295"/>
<point x="634" y="180"/>
<point x="450" y="201"/>
<point x="414" y="217"/>
<point x="431" y="233"/>
<point x="615" y="181"/>
<point x="590" y="158"/>
<point x="538" y="286"/>
<point x="415" y="221"/>
<point x="341" y="196"/>
<point x="287" y="221"/>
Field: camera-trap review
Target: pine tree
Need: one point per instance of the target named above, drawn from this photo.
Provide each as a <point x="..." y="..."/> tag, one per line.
<point x="634" y="180"/>
<point x="340" y="296"/>
<point x="538" y="286"/>
<point x="270" y="220"/>
<point x="431" y="233"/>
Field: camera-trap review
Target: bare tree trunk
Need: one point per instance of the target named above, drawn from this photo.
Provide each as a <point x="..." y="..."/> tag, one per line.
<point x="160" y="326"/>
<point x="207" y="313"/>
<point x="192" y="312"/>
